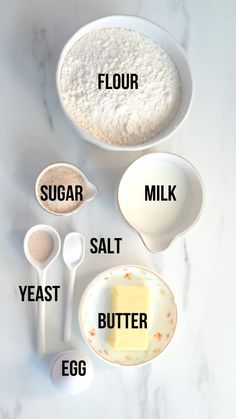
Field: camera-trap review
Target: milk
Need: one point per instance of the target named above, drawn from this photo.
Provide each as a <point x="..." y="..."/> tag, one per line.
<point x="156" y="196"/>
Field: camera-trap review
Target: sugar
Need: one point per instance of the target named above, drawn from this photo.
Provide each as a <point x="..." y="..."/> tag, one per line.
<point x="67" y="177"/>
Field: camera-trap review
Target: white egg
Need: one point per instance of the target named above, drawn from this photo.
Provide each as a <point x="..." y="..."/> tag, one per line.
<point x="72" y="372"/>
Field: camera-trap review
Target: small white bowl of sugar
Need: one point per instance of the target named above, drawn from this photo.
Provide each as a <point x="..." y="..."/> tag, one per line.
<point x="124" y="83"/>
<point x="62" y="189"/>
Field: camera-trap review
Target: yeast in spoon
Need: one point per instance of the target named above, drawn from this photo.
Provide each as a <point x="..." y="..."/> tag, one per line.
<point x="40" y="245"/>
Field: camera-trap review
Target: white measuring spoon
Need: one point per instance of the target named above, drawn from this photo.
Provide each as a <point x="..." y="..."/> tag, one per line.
<point x="73" y="255"/>
<point x="41" y="268"/>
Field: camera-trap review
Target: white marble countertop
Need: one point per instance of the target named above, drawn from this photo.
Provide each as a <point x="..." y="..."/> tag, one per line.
<point x="196" y="376"/>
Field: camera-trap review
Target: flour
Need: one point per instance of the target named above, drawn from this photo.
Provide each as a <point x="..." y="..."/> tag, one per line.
<point x="123" y="117"/>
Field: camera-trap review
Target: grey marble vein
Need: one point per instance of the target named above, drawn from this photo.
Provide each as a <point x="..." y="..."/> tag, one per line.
<point x="143" y="391"/>
<point x="17" y="410"/>
<point x="125" y="395"/>
<point x="4" y="413"/>
<point x="156" y="399"/>
<point x="187" y="275"/>
<point x="203" y="372"/>
<point x="42" y="54"/>
<point x="15" y="290"/>
<point x="16" y="413"/>
<point x="221" y="227"/>
<point x="203" y="377"/>
<point x="158" y="263"/>
<point x="186" y="33"/>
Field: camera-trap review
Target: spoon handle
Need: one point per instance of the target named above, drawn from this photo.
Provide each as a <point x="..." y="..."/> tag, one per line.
<point x="41" y="345"/>
<point x="69" y="306"/>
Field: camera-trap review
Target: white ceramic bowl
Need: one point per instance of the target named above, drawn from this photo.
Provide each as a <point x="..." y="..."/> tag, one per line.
<point x="160" y="222"/>
<point x="97" y="298"/>
<point x="92" y="190"/>
<point x="167" y="42"/>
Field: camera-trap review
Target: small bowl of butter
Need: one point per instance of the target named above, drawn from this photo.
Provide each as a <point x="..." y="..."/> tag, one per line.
<point x="128" y="315"/>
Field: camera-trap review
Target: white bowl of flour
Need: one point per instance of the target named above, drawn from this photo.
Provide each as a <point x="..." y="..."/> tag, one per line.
<point x="124" y="83"/>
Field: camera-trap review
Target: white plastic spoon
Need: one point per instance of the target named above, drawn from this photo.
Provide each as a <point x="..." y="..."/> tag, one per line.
<point x="73" y="255"/>
<point x="42" y="245"/>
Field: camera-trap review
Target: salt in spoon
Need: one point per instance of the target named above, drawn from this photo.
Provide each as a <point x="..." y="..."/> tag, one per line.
<point x="73" y="255"/>
<point x="41" y="264"/>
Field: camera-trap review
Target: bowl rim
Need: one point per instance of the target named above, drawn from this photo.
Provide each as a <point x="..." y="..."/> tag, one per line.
<point x="201" y="188"/>
<point x="102" y="144"/>
<point x="72" y="166"/>
<point x="120" y="364"/>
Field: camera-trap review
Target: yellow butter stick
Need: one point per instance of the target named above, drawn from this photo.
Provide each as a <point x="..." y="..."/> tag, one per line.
<point x="130" y="299"/>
